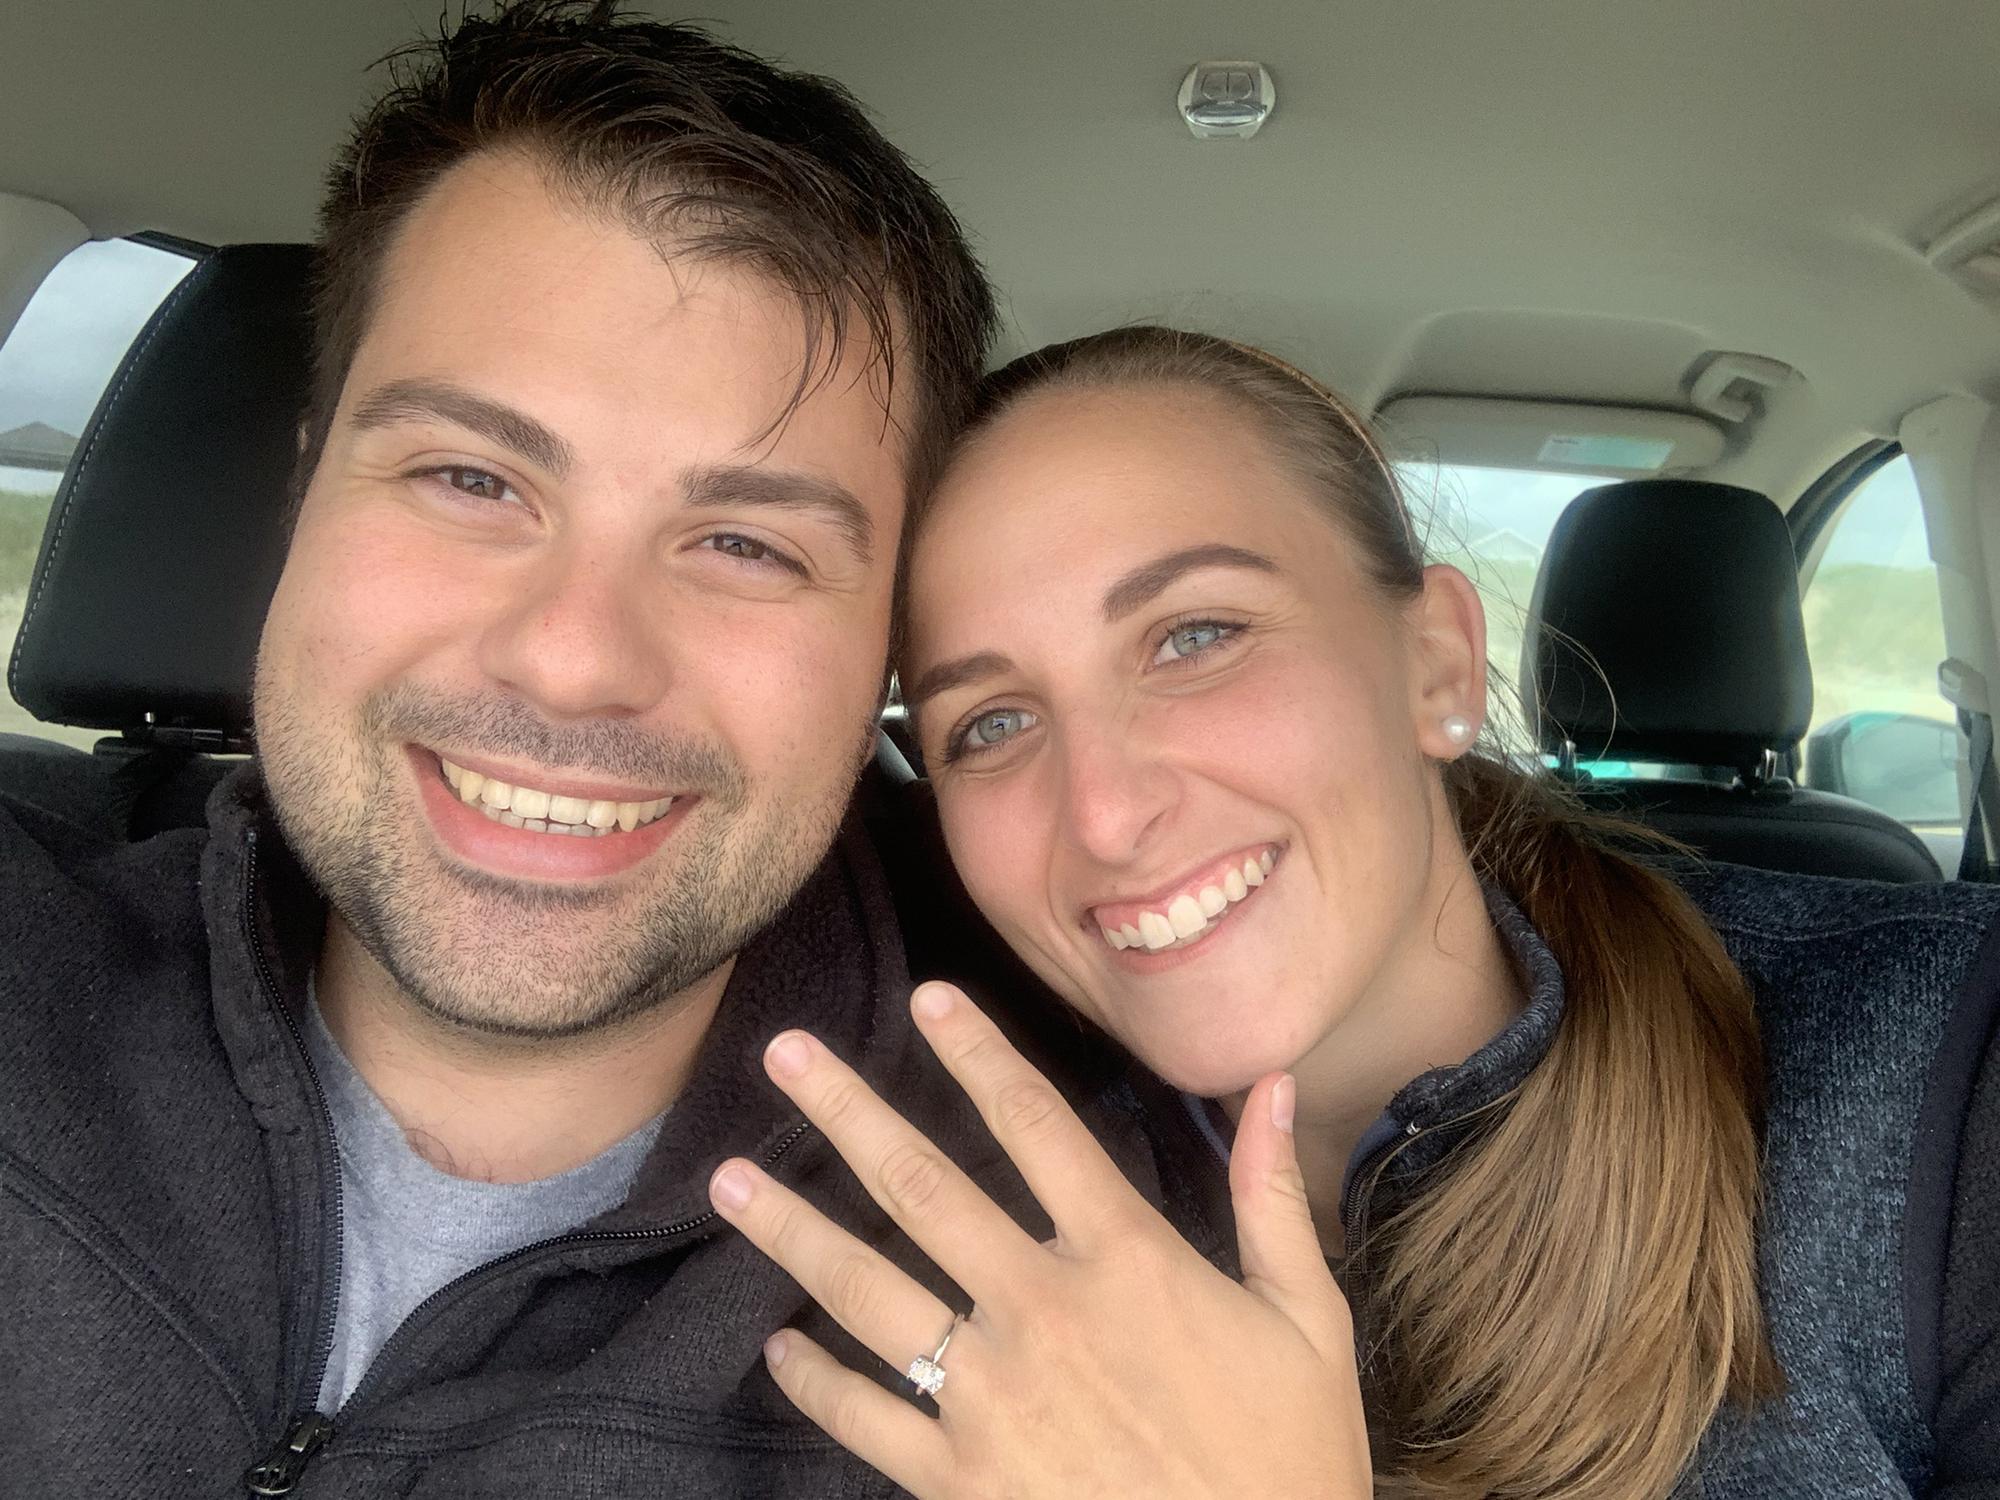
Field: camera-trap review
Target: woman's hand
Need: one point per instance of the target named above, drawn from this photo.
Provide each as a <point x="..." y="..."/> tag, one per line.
<point x="1113" y="1360"/>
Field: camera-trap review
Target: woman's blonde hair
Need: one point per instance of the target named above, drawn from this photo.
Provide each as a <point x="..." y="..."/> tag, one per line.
<point x="1572" y="1300"/>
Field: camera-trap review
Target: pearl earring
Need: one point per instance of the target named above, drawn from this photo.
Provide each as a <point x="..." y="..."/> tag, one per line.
<point x="1457" y="728"/>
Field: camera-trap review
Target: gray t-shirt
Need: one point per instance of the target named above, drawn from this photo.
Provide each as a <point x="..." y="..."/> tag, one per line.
<point x="408" y="1229"/>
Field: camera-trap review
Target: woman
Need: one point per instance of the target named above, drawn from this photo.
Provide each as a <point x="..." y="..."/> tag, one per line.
<point x="1203" y="732"/>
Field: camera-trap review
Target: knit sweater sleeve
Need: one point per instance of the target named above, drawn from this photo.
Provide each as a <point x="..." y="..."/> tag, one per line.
<point x="1967" y="1424"/>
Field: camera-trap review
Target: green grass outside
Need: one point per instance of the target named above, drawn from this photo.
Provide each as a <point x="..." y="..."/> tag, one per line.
<point x="21" y="520"/>
<point x="1876" y="634"/>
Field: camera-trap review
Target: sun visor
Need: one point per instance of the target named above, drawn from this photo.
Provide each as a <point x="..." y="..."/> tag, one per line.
<point x="1561" y="436"/>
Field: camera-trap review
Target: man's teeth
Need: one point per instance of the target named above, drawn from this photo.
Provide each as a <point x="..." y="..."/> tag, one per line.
<point x="1191" y="914"/>
<point x="545" y="812"/>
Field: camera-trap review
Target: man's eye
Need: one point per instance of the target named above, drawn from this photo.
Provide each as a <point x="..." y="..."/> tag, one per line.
<point x="1191" y="639"/>
<point x="748" y="549"/>
<point x="474" y="482"/>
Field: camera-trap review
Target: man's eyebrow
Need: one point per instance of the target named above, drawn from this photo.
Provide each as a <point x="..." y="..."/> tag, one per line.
<point x="957" y="672"/>
<point x="422" y="400"/>
<point x="731" y="485"/>
<point x="1148" y="579"/>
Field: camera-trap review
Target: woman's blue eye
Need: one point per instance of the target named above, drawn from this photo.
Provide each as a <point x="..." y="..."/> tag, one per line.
<point x="1188" y="640"/>
<point x="988" y="730"/>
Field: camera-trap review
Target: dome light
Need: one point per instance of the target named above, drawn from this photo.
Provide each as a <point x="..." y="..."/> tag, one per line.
<point x="1227" y="99"/>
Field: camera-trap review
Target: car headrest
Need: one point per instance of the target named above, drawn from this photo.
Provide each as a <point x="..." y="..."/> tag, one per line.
<point x="167" y="535"/>
<point x="1683" y="598"/>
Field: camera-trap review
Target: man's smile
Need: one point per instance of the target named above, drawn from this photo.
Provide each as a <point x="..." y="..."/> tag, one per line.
<point x="508" y="828"/>
<point x="541" y="810"/>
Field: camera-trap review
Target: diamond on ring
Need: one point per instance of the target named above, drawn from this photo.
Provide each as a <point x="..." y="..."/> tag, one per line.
<point x="926" y="1374"/>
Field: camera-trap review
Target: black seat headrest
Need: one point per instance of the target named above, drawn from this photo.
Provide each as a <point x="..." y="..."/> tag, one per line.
<point x="167" y="535"/>
<point x="1683" y="597"/>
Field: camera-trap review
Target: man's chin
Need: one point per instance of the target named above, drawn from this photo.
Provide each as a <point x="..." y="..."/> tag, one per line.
<point x="528" y="962"/>
<point x="466" y="1004"/>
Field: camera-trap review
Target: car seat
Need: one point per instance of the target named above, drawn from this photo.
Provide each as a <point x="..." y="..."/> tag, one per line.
<point x="1665" y="627"/>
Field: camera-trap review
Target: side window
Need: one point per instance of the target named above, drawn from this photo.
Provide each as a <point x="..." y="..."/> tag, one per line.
<point x="1493" y="524"/>
<point x="53" y="367"/>
<point x="1881" y="731"/>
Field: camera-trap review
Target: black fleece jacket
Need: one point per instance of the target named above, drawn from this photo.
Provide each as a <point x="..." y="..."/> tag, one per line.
<point x="169" y="1206"/>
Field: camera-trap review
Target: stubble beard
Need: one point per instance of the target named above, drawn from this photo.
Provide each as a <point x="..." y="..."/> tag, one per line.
<point x="498" y="957"/>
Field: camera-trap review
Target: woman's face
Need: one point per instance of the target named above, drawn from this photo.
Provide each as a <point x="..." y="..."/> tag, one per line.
<point x="1184" y="749"/>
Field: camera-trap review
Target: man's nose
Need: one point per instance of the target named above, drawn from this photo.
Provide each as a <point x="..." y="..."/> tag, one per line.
<point x="1118" y="789"/>
<point x="581" y="638"/>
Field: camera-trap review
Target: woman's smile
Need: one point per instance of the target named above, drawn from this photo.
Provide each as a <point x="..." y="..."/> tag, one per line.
<point x="1188" y="909"/>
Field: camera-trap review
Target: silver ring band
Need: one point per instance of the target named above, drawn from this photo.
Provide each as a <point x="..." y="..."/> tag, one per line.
<point x="926" y="1372"/>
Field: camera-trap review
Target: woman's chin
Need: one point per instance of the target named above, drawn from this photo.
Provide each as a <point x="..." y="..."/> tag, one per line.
<point x="1211" y="1073"/>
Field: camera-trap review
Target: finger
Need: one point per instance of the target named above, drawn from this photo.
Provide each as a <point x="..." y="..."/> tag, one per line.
<point x="893" y="1436"/>
<point x="969" y="1237"/>
<point x="861" y="1289"/>
<point x="1068" y="1171"/>
<point x="1276" y="1241"/>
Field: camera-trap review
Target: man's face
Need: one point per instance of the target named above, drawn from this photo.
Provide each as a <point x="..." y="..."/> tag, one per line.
<point x="555" y="571"/>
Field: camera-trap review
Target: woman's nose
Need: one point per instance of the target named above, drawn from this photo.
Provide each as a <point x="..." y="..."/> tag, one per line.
<point x="1117" y="791"/>
<point x="581" y="639"/>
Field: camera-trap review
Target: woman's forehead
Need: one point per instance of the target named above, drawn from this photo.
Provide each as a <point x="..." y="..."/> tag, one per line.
<point x="1074" y="490"/>
<point x="1103" y="463"/>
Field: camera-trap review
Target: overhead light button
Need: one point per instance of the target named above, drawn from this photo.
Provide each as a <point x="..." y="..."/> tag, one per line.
<point x="1227" y="100"/>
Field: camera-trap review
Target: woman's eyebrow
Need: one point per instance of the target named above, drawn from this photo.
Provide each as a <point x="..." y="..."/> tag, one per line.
<point x="1148" y="579"/>
<point x="957" y="672"/>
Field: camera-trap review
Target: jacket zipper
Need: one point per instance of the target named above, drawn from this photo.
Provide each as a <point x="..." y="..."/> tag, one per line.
<point x="311" y="1429"/>
<point x="1361" y="1182"/>
<point x="279" y="1474"/>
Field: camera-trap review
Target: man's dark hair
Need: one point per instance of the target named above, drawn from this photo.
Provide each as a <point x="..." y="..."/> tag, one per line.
<point x="684" y="139"/>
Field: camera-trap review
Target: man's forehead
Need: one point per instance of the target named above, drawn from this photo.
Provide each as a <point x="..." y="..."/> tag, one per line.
<point x="498" y="244"/>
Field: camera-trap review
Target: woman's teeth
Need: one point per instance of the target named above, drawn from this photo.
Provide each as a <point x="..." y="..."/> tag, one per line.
<point x="1192" y="913"/>
<point x="545" y="812"/>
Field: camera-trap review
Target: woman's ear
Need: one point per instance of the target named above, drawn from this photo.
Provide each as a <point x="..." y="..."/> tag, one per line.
<point x="1448" y="667"/>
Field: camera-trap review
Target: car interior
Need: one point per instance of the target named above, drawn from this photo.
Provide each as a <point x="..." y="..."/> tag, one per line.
<point x="1683" y="322"/>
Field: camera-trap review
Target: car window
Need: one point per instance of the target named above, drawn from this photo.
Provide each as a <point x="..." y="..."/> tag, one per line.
<point x="53" y="367"/>
<point x="1881" y="730"/>
<point x="1494" y="524"/>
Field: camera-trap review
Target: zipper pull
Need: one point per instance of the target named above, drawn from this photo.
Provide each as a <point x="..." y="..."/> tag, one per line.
<point x="280" y="1473"/>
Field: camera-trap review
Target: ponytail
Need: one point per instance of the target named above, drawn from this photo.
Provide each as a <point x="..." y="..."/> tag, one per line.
<point x="1571" y="1306"/>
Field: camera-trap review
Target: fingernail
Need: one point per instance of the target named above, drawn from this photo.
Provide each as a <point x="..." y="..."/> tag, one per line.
<point x="787" y="1055"/>
<point x="932" y="1002"/>
<point x="731" y="1188"/>
<point x="775" y="1350"/>
<point x="1284" y="1102"/>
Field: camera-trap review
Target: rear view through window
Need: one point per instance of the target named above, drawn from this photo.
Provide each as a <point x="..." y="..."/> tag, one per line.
<point x="53" y="367"/>
<point x="1493" y="524"/>
<point x="1881" y="731"/>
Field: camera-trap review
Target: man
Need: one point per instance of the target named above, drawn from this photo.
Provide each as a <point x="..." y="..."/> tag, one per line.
<point x="361" y="1144"/>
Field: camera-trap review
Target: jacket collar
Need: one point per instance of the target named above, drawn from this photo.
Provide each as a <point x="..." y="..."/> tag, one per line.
<point x="1505" y="1061"/>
